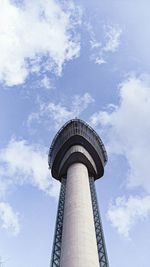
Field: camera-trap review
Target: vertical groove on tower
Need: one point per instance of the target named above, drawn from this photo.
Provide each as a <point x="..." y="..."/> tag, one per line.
<point x="103" y="260"/>
<point x="56" y="251"/>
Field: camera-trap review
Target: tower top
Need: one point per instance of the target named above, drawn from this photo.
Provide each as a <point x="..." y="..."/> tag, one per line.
<point x="76" y="141"/>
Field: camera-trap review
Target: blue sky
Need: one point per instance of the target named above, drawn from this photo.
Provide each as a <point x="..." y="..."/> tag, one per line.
<point x="60" y="60"/>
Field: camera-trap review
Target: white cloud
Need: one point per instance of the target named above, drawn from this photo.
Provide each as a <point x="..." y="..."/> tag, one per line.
<point x="126" y="128"/>
<point x="46" y="82"/>
<point x="5" y="184"/>
<point x="22" y="163"/>
<point x="60" y="113"/>
<point x="125" y="213"/>
<point x="9" y="219"/>
<point x="100" y="49"/>
<point x="99" y="60"/>
<point x="112" y="36"/>
<point x="36" y="35"/>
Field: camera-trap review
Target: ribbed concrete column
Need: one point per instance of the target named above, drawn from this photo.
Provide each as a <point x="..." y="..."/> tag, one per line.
<point x="79" y="248"/>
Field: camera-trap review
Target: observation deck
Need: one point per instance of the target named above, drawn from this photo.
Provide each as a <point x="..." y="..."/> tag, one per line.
<point x="75" y="142"/>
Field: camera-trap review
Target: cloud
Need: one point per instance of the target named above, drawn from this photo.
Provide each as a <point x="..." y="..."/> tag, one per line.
<point x="5" y="184"/>
<point x="23" y="163"/>
<point x="126" y="128"/>
<point x="125" y="213"/>
<point x="110" y="44"/>
<point x="112" y="37"/>
<point x="60" y="113"/>
<point x="99" y="60"/>
<point x="46" y="83"/>
<point x="36" y="36"/>
<point x="9" y="219"/>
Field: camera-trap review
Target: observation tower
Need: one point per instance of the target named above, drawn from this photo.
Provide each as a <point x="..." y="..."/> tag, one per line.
<point x="77" y="158"/>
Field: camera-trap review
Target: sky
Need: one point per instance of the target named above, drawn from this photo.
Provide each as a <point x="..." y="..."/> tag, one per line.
<point x="60" y="60"/>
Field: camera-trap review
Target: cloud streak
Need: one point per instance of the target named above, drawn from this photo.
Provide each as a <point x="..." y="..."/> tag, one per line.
<point x="9" y="219"/>
<point x="60" y="113"/>
<point x="110" y="44"/>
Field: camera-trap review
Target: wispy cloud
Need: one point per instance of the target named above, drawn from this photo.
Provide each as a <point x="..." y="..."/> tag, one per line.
<point x="36" y="36"/>
<point x="100" y="49"/>
<point x="9" y="219"/>
<point x="112" y="38"/>
<point x="60" y="113"/>
<point x="24" y="163"/>
<point x="45" y="82"/>
<point x="125" y="213"/>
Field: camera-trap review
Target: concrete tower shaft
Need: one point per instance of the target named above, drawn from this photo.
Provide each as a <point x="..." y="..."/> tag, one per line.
<point x="77" y="158"/>
<point x="79" y="247"/>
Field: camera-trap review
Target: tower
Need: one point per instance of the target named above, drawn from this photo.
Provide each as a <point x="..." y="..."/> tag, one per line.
<point x="77" y="158"/>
